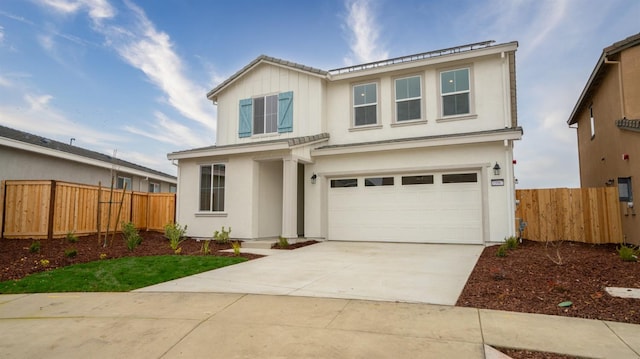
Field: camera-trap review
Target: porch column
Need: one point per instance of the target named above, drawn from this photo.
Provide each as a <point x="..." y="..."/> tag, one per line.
<point x="290" y="198"/>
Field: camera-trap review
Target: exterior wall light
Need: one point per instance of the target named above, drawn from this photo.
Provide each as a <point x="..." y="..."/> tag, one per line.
<point x="496" y="169"/>
<point x="313" y="178"/>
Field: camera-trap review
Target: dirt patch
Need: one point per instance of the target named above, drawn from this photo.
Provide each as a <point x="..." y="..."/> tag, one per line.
<point x="294" y="245"/>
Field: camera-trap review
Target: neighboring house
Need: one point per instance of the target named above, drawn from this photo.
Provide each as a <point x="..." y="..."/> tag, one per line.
<point x="24" y="156"/>
<point x="607" y="116"/>
<point x="397" y="150"/>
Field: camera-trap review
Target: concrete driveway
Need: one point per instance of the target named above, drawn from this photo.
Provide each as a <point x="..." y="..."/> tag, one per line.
<point x="418" y="273"/>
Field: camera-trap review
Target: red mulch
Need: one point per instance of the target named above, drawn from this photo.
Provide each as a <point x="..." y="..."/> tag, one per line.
<point x="16" y="261"/>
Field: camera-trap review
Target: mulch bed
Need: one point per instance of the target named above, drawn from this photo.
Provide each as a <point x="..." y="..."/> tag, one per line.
<point x="528" y="280"/>
<point x="294" y="245"/>
<point x="16" y="261"/>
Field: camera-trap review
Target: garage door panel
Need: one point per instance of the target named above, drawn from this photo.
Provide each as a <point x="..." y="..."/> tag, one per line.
<point x="425" y="213"/>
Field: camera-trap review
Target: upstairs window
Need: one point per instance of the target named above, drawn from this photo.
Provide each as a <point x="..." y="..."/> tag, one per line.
<point x="365" y="104"/>
<point x="408" y="99"/>
<point x="212" y="185"/>
<point x="455" y="91"/>
<point x="266" y="114"/>
<point x="592" y="123"/>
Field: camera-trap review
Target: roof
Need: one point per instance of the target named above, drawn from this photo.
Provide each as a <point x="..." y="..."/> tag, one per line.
<point x="351" y="69"/>
<point x="288" y="142"/>
<point x="599" y="72"/>
<point x="44" y="142"/>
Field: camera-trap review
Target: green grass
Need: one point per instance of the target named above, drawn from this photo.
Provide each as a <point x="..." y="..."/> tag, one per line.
<point x="116" y="275"/>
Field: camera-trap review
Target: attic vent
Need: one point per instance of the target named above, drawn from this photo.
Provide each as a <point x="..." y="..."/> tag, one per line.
<point x="45" y="140"/>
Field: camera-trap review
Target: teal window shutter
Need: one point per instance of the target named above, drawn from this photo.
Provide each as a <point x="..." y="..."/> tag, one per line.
<point x="244" y="127"/>
<point x="285" y="112"/>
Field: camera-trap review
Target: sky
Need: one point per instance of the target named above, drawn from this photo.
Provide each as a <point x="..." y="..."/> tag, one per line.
<point x="131" y="76"/>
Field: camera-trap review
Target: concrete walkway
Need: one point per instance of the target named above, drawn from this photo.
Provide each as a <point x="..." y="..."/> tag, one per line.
<point x="203" y="325"/>
<point x="415" y="273"/>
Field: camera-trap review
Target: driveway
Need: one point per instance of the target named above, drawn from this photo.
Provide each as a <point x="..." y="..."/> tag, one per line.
<point x="419" y="273"/>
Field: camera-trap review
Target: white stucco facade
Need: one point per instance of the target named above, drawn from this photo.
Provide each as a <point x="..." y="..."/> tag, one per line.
<point x="321" y="174"/>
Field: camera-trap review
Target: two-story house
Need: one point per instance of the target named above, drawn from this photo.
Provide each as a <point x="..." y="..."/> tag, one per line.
<point x="607" y="118"/>
<point x="411" y="149"/>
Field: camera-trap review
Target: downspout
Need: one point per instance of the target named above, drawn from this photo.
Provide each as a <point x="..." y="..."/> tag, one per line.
<point x="620" y="89"/>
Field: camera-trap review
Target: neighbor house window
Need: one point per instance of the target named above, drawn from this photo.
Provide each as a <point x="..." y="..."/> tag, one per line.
<point x="212" y="184"/>
<point x="154" y="187"/>
<point x="265" y="114"/>
<point x="592" y="123"/>
<point x="408" y="99"/>
<point x="460" y="178"/>
<point x="120" y="182"/>
<point x="455" y="91"/>
<point x="365" y="104"/>
<point x="349" y="182"/>
<point x="624" y="189"/>
<point x="173" y="188"/>
<point x="378" y="181"/>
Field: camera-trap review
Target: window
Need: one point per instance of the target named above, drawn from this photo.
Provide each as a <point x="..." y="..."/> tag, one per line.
<point x="408" y="99"/>
<point x="592" y="123"/>
<point x="154" y="187"/>
<point x="378" y="181"/>
<point x="121" y="182"/>
<point x="365" y="104"/>
<point x="624" y="189"/>
<point x="265" y="114"/>
<point x="460" y="178"/>
<point x="212" y="184"/>
<point x="455" y="90"/>
<point x="350" y="182"/>
<point x="422" y="179"/>
<point x="173" y="188"/>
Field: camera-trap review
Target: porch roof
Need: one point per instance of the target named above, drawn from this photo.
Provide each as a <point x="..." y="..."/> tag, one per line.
<point x="276" y="144"/>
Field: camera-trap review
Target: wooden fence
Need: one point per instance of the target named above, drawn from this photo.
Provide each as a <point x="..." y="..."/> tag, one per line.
<point x="51" y="209"/>
<point x="589" y="215"/>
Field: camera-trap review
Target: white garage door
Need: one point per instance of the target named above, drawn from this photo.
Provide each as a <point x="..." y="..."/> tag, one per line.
<point x="425" y="208"/>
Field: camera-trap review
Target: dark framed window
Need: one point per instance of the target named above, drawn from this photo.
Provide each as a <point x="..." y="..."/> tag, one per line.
<point x="212" y="185"/>
<point x="348" y="182"/>
<point x="154" y="187"/>
<point x="365" y="104"/>
<point x="624" y="189"/>
<point x="378" y="181"/>
<point x="460" y="178"/>
<point x="265" y="114"/>
<point x="421" y="179"/>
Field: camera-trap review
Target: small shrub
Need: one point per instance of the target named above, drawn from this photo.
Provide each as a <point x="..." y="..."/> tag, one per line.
<point x="236" y="247"/>
<point x="103" y="256"/>
<point x="175" y="235"/>
<point x="44" y="263"/>
<point x="628" y="253"/>
<point x="70" y="252"/>
<point x="502" y="250"/>
<point x="71" y="237"/>
<point x="131" y="236"/>
<point x="34" y="247"/>
<point x="222" y="236"/>
<point x="205" y="247"/>
<point x="511" y="242"/>
<point x="283" y="242"/>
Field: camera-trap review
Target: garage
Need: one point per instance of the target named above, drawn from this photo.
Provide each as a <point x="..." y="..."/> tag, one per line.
<point x="421" y="208"/>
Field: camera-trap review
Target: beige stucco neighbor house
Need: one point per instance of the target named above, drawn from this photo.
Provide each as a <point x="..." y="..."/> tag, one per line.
<point x="412" y="149"/>
<point x="25" y="156"/>
<point x="607" y="116"/>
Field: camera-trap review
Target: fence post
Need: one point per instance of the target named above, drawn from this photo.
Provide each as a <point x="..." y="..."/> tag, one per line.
<point x="52" y="204"/>
<point x="2" y="206"/>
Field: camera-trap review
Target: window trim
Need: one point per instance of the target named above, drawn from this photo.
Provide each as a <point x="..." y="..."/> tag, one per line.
<point x="422" y="117"/>
<point x="376" y="104"/>
<point x="212" y="209"/>
<point x="471" y="93"/>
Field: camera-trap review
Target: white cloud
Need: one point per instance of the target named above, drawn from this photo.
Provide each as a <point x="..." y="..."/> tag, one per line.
<point x="363" y="32"/>
<point x="4" y="82"/>
<point x="1" y="34"/>
<point x="97" y="9"/>
<point x="169" y="131"/>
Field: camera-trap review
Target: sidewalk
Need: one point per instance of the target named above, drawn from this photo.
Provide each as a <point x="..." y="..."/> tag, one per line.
<point x="195" y="325"/>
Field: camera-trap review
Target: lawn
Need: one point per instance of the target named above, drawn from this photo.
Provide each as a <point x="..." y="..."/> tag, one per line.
<point x="116" y="275"/>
